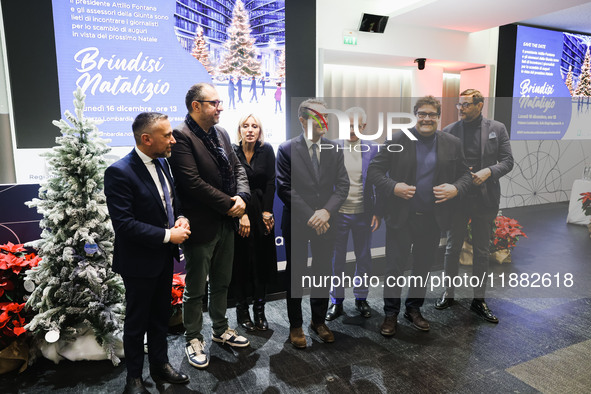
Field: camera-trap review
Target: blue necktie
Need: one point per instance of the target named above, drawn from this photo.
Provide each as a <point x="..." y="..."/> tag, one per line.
<point x="169" y="212"/>
<point x="315" y="162"/>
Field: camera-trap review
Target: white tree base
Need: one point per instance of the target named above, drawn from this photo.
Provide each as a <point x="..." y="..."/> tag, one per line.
<point x="84" y="347"/>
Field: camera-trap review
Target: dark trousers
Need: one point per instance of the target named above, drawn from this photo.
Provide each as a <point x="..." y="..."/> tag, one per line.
<point x="482" y="224"/>
<point x="360" y="227"/>
<point x="211" y="260"/>
<point x="422" y="233"/>
<point x="297" y="239"/>
<point x="148" y="310"/>
<point x="247" y="278"/>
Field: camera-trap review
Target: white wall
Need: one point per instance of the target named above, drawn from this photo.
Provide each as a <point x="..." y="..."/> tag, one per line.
<point x="427" y="82"/>
<point x="544" y="170"/>
<point x="403" y="40"/>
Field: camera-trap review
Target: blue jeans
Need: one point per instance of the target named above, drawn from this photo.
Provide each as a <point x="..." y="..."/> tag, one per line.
<point x="360" y="227"/>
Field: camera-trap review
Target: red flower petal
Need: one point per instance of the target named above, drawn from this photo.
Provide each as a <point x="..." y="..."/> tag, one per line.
<point x="19" y="330"/>
<point x="12" y="248"/>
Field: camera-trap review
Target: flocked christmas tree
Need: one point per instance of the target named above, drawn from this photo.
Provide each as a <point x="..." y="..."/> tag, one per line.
<point x="584" y="86"/>
<point x="200" y="51"/>
<point x="569" y="80"/>
<point x="241" y="58"/>
<point x="75" y="286"/>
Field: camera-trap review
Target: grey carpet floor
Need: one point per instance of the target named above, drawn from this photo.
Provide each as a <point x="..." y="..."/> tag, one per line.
<point x="542" y="343"/>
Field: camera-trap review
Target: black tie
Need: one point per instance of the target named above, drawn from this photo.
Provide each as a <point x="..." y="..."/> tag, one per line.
<point x="315" y="162"/>
<point x="169" y="212"/>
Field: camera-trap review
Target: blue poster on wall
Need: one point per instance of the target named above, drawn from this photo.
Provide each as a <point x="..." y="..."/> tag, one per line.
<point x="126" y="58"/>
<point x="130" y="57"/>
<point x="550" y="99"/>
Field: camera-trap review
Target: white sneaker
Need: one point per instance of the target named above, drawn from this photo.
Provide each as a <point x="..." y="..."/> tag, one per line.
<point x="196" y="355"/>
<point x="232" y="338"/>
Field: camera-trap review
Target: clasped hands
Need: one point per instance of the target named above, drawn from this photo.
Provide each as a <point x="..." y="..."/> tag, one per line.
<point x="180" y="232"/>
<point x="319" y="221"/>
<point x="442" y="193"/>
<point x="238" y="208"/>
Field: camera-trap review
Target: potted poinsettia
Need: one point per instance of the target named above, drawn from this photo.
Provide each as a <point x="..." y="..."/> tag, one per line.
<point x="505" y="236"/>
<point x="178" y="288"/>
<point x="14" y="261"/>
<point x="586" y="206"/>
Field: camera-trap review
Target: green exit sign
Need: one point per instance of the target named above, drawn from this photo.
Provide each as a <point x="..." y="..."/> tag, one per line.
<point x="350" y="40"/>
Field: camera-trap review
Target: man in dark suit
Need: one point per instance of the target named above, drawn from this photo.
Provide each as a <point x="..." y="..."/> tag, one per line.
<point x="358" y="215"/>
<point x="143" y="207"/>
<point x="488" y="152"/>
<point x="213" y="188"/>
<point x="312" y="182"/>
<point x="419" y="181"/>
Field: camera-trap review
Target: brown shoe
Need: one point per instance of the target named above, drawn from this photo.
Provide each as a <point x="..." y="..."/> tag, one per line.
<point x="417" y="320"/>
<point x="323" y="332"/>
<point x="297" y="337"/>
<point x="388" y="327"/>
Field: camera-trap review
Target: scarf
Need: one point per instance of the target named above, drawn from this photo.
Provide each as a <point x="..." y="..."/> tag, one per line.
<point x="212" y="143"/>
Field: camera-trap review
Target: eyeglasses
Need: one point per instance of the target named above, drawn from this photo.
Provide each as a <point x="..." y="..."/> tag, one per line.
<point x="464" y="105"/>
<point x="430" y="115"/>
<point x="215" y="103"/>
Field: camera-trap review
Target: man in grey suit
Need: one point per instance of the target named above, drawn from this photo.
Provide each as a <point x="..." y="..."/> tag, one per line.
<point x="213" y="188"/>
<point x="488" y="153"/>
<point x="419" y="183"/>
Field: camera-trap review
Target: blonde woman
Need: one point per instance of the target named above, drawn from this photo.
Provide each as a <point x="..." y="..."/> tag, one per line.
<point x="255" y="257"/>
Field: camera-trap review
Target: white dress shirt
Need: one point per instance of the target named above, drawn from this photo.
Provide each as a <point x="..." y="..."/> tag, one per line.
<point x="152" y="170"/>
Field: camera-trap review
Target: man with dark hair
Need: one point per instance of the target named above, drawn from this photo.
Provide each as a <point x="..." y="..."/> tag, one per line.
<point x="143" y="206"/>
<point x="213" y="187"/>
<point x="419" y="184"/>
<point x="312" y="183"/>
<point x="488" y="154"/>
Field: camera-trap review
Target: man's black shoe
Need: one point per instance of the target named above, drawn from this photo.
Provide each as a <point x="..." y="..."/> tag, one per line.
<point x="363" y="307"/>
<point x="334" y="311"/>
<point x="135" y="386"/>
<point x="417" y="320"/>
<point x="168" y="373"/>
<point x="445" y="301"/>
<point x="483" y="311"/>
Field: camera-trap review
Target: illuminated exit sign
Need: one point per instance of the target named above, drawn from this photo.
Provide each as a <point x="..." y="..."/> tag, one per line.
<point x="349" y="37"/>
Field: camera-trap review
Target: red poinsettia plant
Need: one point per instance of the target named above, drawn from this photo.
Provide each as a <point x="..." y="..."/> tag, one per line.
<point x="178" y="287"/>
<point x="586" y="203"/>
<point x="506" y="233"/>
<point x="14" y="261"/>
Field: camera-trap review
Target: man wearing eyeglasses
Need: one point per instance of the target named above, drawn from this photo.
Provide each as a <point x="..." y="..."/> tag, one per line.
<point x="419" y="184"/>
<point x="488" y="153"/>
<point x="213" y="188"/>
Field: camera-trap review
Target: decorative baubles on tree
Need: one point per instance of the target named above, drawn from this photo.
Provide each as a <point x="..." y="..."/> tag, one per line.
<point x="200" y="51"/>
<point x="569" y="80"/>
<point x="584" y="86"/>
<point x="241" y="57"/>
